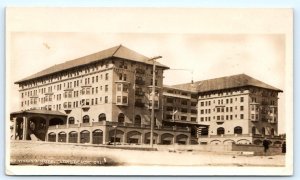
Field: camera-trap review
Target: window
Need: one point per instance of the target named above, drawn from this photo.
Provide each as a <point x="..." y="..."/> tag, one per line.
<point x="102" y="117"/>
<point x="119" y="87"/>
<point x="242" y="99"/>
<point x="137" y="120"/>
<point x="71" y="120"/>
<point x="86" y="119"/>
<point x="220" y="131"/>
<point x="183" y="118"/>
<point x="106" y="99"/>
<point x="242" y="108"/>
<point x="121" y="118"/>
<point x="125" y="88"/>
<point x="124" y="99"/>
<point x="106" y="88"/>
<point x="106" y="76"/>
<point x="238" y="130"/>
<point x="242" y="116"/>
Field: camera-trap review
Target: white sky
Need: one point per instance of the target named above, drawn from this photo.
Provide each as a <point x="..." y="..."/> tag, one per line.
<point x="211" y="42"/>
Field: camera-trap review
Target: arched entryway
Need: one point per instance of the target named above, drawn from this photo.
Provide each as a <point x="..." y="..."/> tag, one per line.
<point x="167" y="138"/>
<point x="98" y="136"/>
<point x="147" y="138"/>
<point x="73" y="137"/>
<point x="116" y="134"/>
<point x="85" y="136"/>
<point x="134" y="137"/>
<point x="52" y="137"/>
<point x="182" y="139"/>
<point x="62" y="137"/>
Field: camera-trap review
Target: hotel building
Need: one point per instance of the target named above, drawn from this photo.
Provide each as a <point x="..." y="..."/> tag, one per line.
<point x="106" y="97"/>
<point x="237" y="109"/>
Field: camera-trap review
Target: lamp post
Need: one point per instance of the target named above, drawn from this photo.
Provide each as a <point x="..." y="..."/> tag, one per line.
<point x="153" y="97"/>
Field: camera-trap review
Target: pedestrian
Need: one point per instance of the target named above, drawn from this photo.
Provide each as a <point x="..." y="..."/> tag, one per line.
<point x="283" y="147"/>
<point x="266" y="144"/>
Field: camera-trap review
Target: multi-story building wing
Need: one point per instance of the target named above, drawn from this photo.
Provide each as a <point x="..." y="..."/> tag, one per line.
<point x="106" y="96"/>
<point x="238" y="109"/>
<point x="90" y="97"/>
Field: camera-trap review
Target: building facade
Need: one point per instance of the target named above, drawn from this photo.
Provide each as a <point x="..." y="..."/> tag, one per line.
<point x="106" y="97"/>
<point x="237" y="109"/>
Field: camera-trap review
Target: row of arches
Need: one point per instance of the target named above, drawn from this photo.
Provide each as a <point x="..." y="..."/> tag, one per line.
<point x="132" y="137"/>
<point x="236" y="130"/>
<point x="102" y="117"/>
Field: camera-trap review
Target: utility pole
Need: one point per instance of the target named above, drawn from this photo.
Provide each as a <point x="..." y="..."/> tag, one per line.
<point x="153" y="97"/>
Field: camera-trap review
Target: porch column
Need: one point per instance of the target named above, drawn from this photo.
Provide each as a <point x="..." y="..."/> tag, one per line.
<point x="24" y="128"/>
<point x="14" y="128"/>
<point x="78" y="138"/>
<point x="67" y="137"/>
<point x="47" y="126"/>
<point x="91" y="138"/>
<point x="188" y="141"/>
<point x="142" y="138"/>
<point x="125" y="137"/>
<point x="56" y="137"/>
<point x="104" y="135"/>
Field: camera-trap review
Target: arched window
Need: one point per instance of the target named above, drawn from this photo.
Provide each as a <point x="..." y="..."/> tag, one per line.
<point x="121" y="118"/>
<point x="238" y="130"/>
<point x="71" y="120"/>
<point x="137" y="120"/>
<point x="86" y="119"/>
<point x="102" y="117"/>
<point x="263" y="131"/>
<point x="253" y="130"/>
<point x="220" y="131"/>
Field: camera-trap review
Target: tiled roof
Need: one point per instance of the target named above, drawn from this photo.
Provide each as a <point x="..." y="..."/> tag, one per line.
<point x="227" y="82"/>
<point x="117" y="51"/>
<point x="39" y="111"/>
<point x="189" y="88"/>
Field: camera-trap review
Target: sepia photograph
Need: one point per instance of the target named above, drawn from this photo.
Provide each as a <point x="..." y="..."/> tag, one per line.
<point x="149" y="91"/>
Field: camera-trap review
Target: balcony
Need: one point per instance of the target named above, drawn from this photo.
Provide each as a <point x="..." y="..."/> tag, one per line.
<point x="139" y="82"/>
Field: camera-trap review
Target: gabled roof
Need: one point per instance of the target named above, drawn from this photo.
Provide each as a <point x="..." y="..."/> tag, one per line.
<point x="227" y="82"/>
<point x="117" y="51"/>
